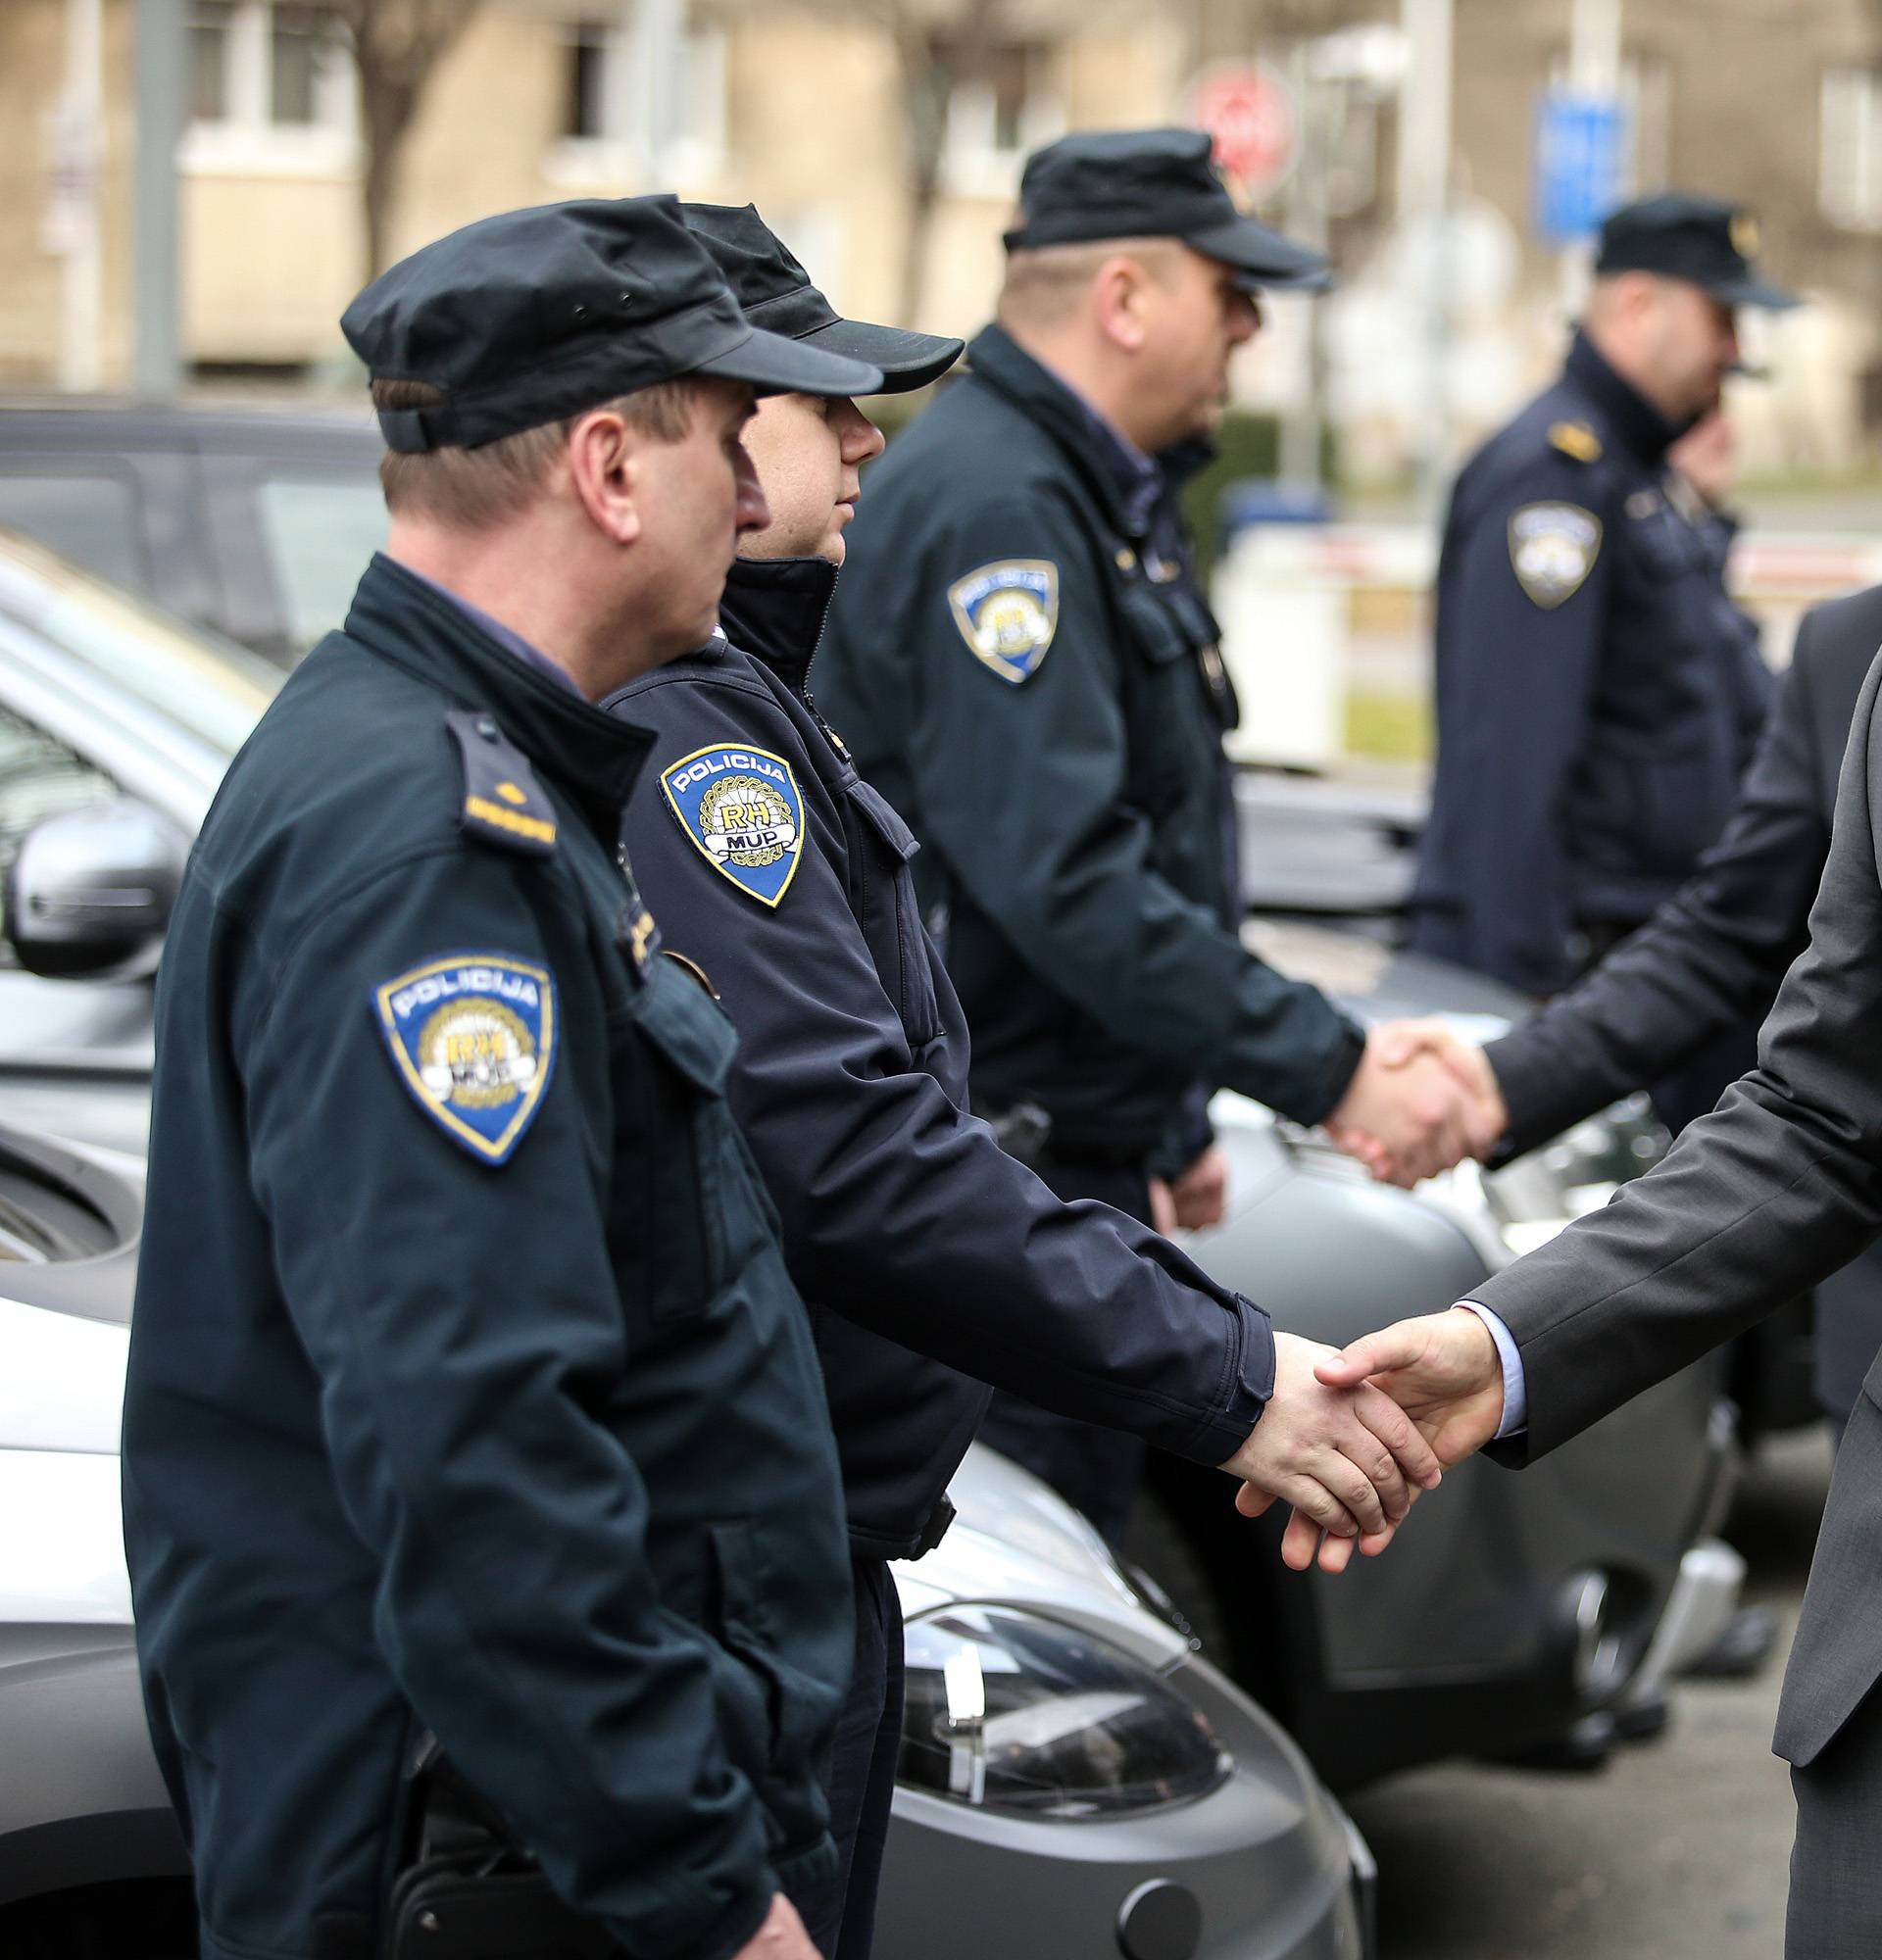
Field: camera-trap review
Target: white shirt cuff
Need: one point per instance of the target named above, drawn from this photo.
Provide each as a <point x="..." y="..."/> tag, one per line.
<point x="1515" y="1391"/>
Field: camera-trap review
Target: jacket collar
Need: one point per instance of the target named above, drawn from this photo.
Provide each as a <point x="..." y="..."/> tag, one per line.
<point x="595" y="758"/>
<point x="1096" y="449"/>
<point x="1631" y="417"/>
<point x="774" y="610"/>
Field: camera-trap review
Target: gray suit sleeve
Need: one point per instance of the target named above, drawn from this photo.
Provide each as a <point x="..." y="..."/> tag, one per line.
<point x="1776" y="1189"/>
<point x="1711" y="961"/>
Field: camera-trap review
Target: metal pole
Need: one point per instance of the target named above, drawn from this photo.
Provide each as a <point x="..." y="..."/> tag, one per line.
<point x="1306" y="221"/>
<point x="1594" y="68"/>
<point x="1424" y="200"/>
<point x="660" y="29"/>
<point x="78" y="146"/>
<point x="157" y="363"/>
<point x="1594" y="47"/>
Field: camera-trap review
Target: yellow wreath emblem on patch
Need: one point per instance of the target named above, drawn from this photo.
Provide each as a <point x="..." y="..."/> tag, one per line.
<point x="741" y="818"/>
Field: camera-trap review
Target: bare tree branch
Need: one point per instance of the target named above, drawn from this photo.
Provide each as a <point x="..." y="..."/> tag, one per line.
<point x="395" y="45"/>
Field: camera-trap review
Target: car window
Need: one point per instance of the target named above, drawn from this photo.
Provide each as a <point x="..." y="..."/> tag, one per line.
<point x="208" y="687"/>
<point x="320" y="527"/>
<point x="89" y="518"/>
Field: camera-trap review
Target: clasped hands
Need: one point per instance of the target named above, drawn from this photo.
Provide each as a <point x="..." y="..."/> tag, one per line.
<point x="1351" y="1437"/>
<point x="1420" y="1100"/>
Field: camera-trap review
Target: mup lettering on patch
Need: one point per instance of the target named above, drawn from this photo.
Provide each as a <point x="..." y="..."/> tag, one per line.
<point x="472" y="1036"/>
<point x="1008" y="613"/>
<point x="744" y="813"/>
<point x="1553" y="548"/>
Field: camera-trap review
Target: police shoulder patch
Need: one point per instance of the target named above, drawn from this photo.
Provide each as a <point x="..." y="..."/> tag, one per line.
<point x="1008" y="613"/>
<point x="1576" y="439"/>
<point x="472" y="1036"/>
<point x="1553" y="548"/>
<point x="744" y="813"/>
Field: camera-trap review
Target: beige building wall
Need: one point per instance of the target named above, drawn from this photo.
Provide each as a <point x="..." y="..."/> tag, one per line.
<point x="813" y="134"/>
<point x="811" y="129"/>
<point x="33" y="274"/>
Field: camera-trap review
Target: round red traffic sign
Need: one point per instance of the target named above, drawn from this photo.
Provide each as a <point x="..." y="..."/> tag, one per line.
<point x="1249" y="113"/>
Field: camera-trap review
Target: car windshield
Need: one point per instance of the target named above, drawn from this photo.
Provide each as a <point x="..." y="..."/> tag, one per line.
<point x="208" y="686"/>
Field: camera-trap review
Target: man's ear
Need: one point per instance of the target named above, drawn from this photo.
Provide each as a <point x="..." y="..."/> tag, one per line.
<point x="606" y="468"/>
<point x="1118" y="292"/>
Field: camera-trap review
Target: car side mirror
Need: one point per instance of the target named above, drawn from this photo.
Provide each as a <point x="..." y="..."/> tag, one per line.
<point x="89" y="892"/>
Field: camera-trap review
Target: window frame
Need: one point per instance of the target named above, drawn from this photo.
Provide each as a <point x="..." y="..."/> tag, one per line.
<point x="247" y="139"/>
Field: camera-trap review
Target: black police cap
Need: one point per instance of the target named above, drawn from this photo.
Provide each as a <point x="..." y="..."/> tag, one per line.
<point x="1151" y="183"/>
<point x="1699" y="239"/>
<point x="532" y="316"/>
<point x="776" y="293"/>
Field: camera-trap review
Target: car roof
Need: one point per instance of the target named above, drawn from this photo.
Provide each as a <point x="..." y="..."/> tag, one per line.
<point x="104" y="424"/>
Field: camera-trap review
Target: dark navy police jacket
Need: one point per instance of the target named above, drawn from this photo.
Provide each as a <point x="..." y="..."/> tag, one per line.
<point x="1597" y="694"/>
<point x="933" y="1262"/>
<point x="468" y="1389"/>
<point x="1031" y="692"/>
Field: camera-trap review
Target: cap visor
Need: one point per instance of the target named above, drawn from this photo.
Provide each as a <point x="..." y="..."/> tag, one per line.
<point x="1753" y="293"/>
<point x="1271" y="262"/>
<point x="908" y="360"/>
<point x="776" y="366"/>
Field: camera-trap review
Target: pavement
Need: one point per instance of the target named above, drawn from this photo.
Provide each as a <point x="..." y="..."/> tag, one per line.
<point x="1677" y="1849"/>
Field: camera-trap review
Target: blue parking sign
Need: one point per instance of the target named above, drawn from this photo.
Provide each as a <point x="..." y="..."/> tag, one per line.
<point x="1580" y="141"/>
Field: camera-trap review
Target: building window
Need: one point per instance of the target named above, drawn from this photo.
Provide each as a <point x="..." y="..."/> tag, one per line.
<point x="209" y="35"/>
<point x="587" y="74"/>
<point x="1849" y="148"/>
<point x="622" y="101"/>
<point x="1006" y="105"/>
<point x="269" y="64"/>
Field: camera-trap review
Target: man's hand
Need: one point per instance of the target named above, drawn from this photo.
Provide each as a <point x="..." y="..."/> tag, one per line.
<point x="1350" y="1463"/>
<point x="780" y="1937"/>
<point x="1162" y="1207"/>
<point x="1440" y="1368"/>
<point x="1201" y="1195"/>
<point x="1402" y="1042"/>
<point x="1410" y="1117"/>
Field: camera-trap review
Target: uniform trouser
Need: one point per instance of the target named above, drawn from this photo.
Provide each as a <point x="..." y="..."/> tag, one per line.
<point x="841" y="1918"/>
<point x="1836" y="1872"/>
<point x="1095" y="1470"/>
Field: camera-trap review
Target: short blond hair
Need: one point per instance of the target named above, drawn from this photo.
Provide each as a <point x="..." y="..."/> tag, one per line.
<point x="1043" y="281"/>
<point x="471" y="488"/>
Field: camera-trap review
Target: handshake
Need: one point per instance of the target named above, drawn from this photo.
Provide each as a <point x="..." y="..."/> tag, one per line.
<point x="1420" y="1100"/>
<point x="1350" y="1438"/>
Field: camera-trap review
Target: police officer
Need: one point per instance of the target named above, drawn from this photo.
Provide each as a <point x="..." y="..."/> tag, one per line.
<point x="1020" y="665"/>
<point x="1597" y="697"/>
<point x="928" y="1253"/>
<point x="469" y="1390"/>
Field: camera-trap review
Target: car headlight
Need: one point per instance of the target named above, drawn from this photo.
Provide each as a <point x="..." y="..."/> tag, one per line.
<point x="1007" y="1711"/>
<point x="1579" y="1171"/>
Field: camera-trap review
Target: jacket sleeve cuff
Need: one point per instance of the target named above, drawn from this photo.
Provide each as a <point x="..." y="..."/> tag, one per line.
<point x="1531" y="1090"/>
<point x="1248" y="1385"/>
<point x="701" y="1919"/>
<point x="1335" y="1079"/>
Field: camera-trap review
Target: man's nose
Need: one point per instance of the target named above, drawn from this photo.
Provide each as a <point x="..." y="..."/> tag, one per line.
<point x="753" y="512"/>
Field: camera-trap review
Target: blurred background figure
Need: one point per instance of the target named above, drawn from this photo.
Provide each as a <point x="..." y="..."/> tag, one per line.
<point x="1596" y="697"/>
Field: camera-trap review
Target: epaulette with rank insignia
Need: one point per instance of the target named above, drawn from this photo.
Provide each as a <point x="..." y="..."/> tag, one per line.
<point x="1576" y="439"/>
<point x="504" y="806"/>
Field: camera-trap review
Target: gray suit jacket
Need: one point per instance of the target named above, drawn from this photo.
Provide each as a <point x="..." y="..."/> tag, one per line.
<point x="1776" y="1189"/>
